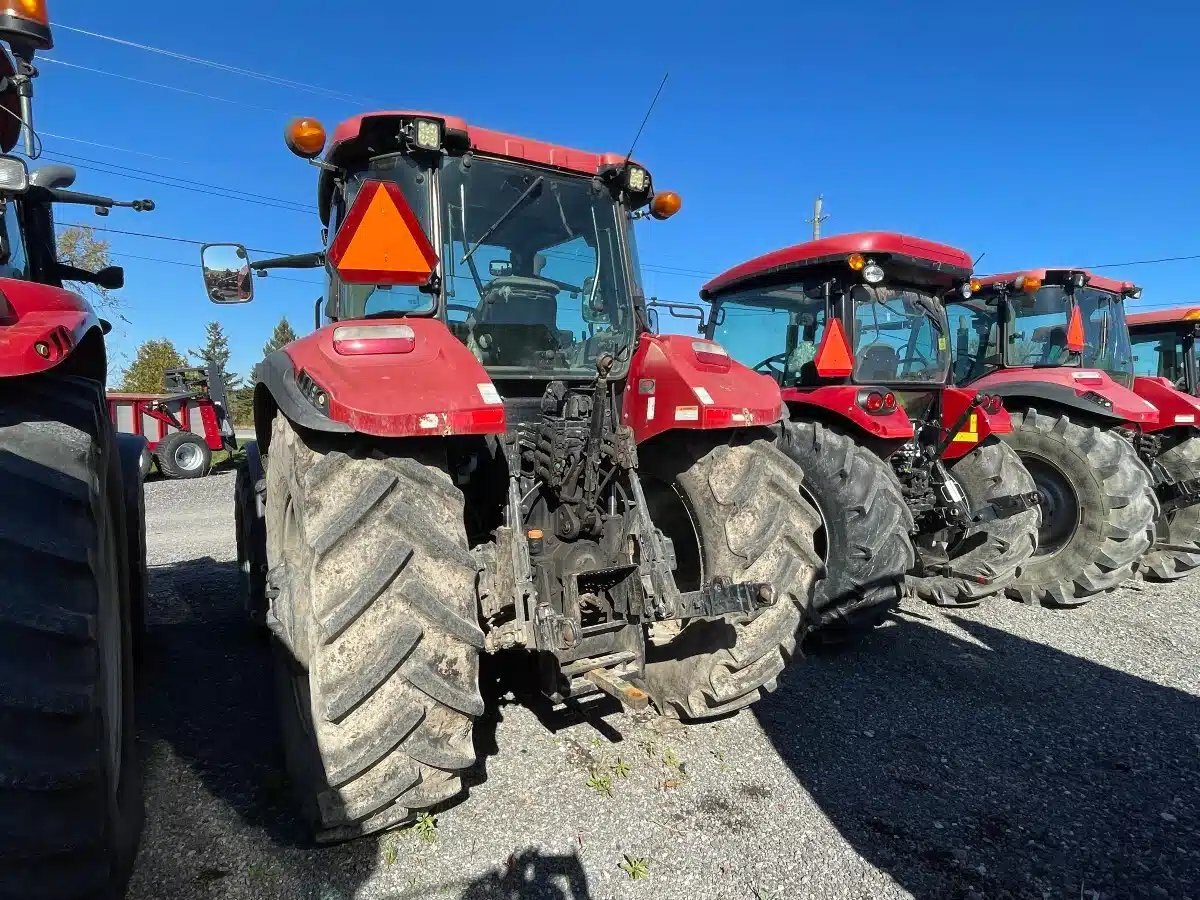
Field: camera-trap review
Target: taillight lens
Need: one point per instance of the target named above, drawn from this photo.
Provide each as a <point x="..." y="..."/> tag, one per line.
<point x="711" y="354"/>
<point x="877" y="402"/>
<point x="367" y="340"/>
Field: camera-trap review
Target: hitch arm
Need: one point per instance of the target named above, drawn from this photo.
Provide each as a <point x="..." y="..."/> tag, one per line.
<point x="945" y="442"/>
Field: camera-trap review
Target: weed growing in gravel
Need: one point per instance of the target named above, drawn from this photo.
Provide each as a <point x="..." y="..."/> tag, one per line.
<point x="600" y="783"/>
<point x="636" y="867"/>
<point x="256" y="871"/>
<point x="425" y="828"/>
<point x="621" y="768"/>
<point x="390" y="853"/>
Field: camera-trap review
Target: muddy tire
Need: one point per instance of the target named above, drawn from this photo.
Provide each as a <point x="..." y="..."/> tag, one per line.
<point x="251" y="529"/>
<point x="1179" y="529"/>
<point x="376" y="635"/>
<point x="733" y="510"/>
<point x="864" y="539"/>
<point x="991" y="552"/>
<point x="70" y="781"/>
<point x="182" y="454"/>
<point x="1098" y="510"/>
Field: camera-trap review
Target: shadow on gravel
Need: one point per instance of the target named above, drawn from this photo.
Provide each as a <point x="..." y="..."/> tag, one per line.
<point x="1004" y="770"/>
<point x="531" y="875"/>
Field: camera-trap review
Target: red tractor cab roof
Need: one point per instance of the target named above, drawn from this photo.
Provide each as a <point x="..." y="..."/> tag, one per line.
<point x="1176" y="316"/>
<point x="1059" y="275"/>
<point x="375" y="133"/>
<point x="884" y="245"/>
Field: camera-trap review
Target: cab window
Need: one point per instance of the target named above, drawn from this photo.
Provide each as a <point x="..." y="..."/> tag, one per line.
<point x="14" y="262"/>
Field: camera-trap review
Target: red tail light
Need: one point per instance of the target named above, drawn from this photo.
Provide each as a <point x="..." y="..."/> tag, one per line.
<point x="366" y="340"/>
<point x="877" y="402"/>
<point x="834" y="359"/>
<point x="711" y="354"/>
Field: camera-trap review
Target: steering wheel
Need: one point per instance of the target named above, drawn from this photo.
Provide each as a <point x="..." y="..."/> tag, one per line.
<point x="460" y="307"/>
<point x="772" y="365"/>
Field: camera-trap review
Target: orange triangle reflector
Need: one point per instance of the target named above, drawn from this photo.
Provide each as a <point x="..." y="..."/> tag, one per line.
<point x="834" y="359"/>
<point x="1075" y="331"/>
<point x="382" y="241"/>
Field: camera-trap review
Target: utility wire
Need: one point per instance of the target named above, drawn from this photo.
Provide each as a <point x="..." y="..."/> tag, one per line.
<point x="74" y="140"/>
<point x="175" y="262"/>
<point x="160" y="237"/>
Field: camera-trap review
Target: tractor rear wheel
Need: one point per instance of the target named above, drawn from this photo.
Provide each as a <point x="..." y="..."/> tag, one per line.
<point x="985" y="559"/>
<point x="182" y="454"/>
<point x="1098" y="509"/>
<point x="70" y="782"/>
<point x="1179" y="530"/>
<point x="865" y="528"/>
<point x="733" y="510"/>
<point x="376" y="634"/>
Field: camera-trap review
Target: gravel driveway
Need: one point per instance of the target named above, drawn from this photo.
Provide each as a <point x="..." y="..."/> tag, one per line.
<point x="1002" y="752"/>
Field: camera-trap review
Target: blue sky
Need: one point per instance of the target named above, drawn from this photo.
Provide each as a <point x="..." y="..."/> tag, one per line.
<point x="1038" y="135"/>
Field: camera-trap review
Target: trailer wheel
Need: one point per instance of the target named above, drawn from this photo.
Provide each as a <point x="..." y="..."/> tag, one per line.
<point x="732" y="510"/>
<point x="182" y="454"/>
<point x="1098" y="510"/>
<point x="376" y="634"/>
<point x="1180" y="529"/>
<point x="70" y="784"/>
<point x="865" y="527"/>
<point x="985" y="559"/>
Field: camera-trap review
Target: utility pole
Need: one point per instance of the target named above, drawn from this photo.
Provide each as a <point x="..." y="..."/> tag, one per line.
<point x="817" y="218"/>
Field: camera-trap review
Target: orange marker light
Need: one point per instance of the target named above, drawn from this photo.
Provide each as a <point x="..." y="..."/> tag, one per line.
<point x="1028" y="284"/>
<point x="1075" y="331"/>
<point x="834" y="359"/>
<point x="305" y="137"/>
<point x="27" y="21"/>
<point x="665" y="204"/>
<point x="382" y="241"/>
<point x="856" y="261"/>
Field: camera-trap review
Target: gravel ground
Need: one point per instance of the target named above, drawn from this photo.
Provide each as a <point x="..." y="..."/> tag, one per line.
<point x="1002" y="752"/>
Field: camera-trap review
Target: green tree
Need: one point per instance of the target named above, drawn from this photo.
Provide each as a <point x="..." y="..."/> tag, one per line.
<point x="79" y="247"/>
<point x="240" y="405"/>
<point x="145" y="373"/>
<point x="215" y="352"/>
<point x="280" y="337"/>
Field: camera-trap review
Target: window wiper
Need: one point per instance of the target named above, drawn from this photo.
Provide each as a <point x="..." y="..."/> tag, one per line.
<point x="503" y="218"/>
<point x="931" y="311"/>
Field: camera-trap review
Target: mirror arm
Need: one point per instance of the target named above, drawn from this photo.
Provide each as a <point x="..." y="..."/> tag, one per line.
<point x="62" y="195"/>
<point x="296" y="261"/>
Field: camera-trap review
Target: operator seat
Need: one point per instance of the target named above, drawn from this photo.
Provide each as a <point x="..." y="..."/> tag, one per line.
<point x="878" y="362"/>
<point x="1054" y="351"/>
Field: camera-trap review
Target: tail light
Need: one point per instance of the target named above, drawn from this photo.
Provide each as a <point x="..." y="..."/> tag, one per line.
<point x="711" y="354"/>
<point x="369" y="340"/>
<point x="877" y="402"/>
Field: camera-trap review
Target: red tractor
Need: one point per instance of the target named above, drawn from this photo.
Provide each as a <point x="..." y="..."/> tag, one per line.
<point x="853" y="329"/>
<point x="72" y="540"/>
<point x="1164" y="346"/>
<point x="1054" y="344"/>
<point x="486" y="451"/>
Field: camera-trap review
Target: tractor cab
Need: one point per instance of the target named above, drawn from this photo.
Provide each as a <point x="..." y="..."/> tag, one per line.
<point x="1164" y="346"/>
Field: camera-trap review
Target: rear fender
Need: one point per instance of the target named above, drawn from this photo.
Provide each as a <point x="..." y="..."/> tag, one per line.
<point x="679" y="382"/>
<point x="840" y="404"/>
<point x="37" y="317"/>
<point x="437" y="388"/>
<point x="1068" y="388"/>
<point x="1175" y="408"/>
<point x="980" y="424"/>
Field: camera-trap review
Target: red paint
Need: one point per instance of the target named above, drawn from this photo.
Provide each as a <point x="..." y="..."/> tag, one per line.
<point x="739" y="397"/>
<point x="38" y="313"/>
<point x="150" y="406"/>
<point x="877" y="243"/>
<point x="1094" y="281"/>
<point x="1177" y="316"/>
<point x="987" y="422"/>
<point x="433" y="390"/>
<point x="1125" y="403"/>
<point x="833" y="358"/>
<point x="842" y="400"/>
<point x="350" y="230"/>
<point x="1169" y="402"/>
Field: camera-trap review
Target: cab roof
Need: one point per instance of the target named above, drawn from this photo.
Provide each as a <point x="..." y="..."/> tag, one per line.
<point x="925" y="253"/>
<point x="1097" y="281"/>
<point x="1176" y="316"/>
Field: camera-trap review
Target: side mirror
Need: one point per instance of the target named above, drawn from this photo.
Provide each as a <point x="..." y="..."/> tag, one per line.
<point x="226" y="273"/>
<point x="500" y="268"/>
<point x="111" y="278"/>
<point x="14" y="176"/>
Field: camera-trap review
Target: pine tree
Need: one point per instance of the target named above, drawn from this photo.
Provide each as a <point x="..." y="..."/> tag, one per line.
<point x="145" y="373"/>
<point x="280" y="337"/>
<point x="215" y="353"/>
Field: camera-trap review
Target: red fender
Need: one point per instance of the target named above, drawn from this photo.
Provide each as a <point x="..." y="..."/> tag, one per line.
<point x="1176" y="408"/>
<point x="38" y="315"/>
<point x="1067" y="387"/>
<point x="431" y="385"/>
<point x="679" y="382"/>
<point x="979" y="427"/>
<point x="842" y="401"/>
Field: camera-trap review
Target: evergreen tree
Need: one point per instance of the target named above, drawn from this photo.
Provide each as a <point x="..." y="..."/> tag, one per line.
<point x="145" y="373"/>
<point x="280" y="337"/>
<point x="215" y="352"/>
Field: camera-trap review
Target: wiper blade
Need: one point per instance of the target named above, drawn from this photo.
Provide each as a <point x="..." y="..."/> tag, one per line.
<point x="932" y="311"/>
<point x="503" y="218"/>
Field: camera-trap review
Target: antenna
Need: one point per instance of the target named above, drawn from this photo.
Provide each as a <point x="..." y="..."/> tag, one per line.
<point x="646" y="117"/>
<point x="978" y="258"/>
<point x="817" y="217"/>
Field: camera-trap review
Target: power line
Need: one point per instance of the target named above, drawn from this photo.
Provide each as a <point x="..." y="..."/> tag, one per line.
<point x="1143" y="262"/>
<point x="160" y="237"/>
<point x="74" y="140"/>
<point x="175" y="262"/>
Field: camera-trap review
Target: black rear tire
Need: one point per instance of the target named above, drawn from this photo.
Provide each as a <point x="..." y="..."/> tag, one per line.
<point x="70" y="782"/>
<point x="182" y="454"/>
<point x="985" y="560"/>
<point x="1180" y="528"/>
<point x="864" y="539"/>
<point x="749" y="523"/>
<point x="1098" y="520"/>
<point x="251" y="529"/>
<point x="376" y="633"/>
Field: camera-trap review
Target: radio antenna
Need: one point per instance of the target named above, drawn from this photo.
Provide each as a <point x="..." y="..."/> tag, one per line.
<point x="646" y="118"/>
<point x="978" y="258"/>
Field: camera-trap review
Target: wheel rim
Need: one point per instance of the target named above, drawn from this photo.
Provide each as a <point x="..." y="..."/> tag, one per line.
<point x="1059" y="504"/>
<point x="188" y="457"/>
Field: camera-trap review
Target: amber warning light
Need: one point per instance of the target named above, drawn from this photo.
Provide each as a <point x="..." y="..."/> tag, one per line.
<point x="26" y="22"/>
<point x="382" y="241"/>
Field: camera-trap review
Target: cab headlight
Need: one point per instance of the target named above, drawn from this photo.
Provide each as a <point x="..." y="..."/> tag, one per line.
<point x="873" y="273"/>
